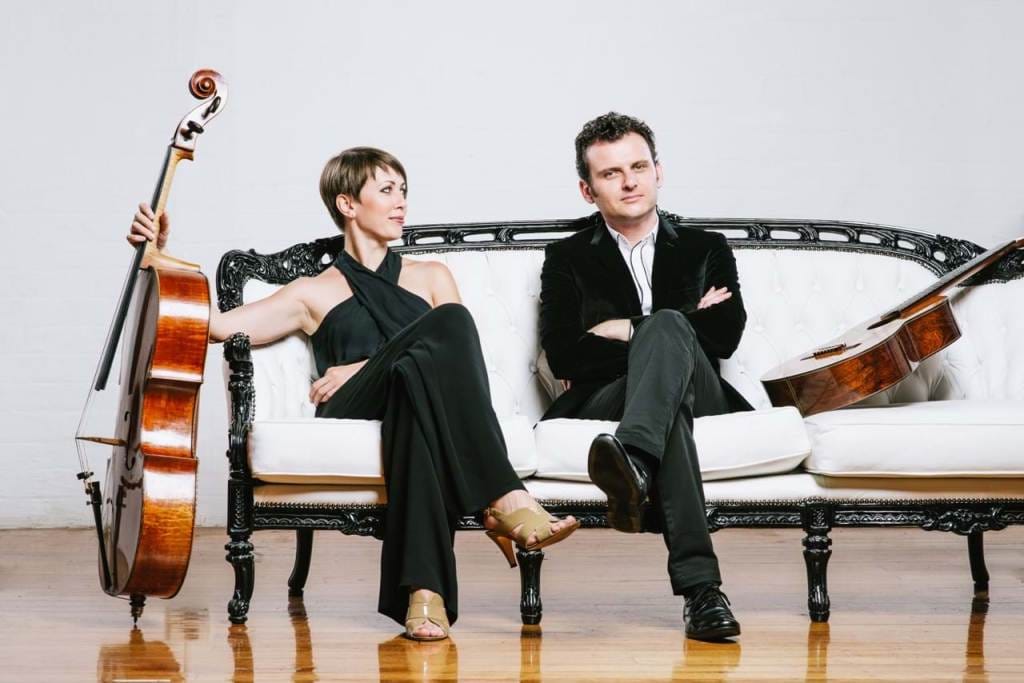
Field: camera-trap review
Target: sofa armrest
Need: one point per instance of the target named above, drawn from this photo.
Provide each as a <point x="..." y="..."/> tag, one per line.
<point x="238" y="354"/>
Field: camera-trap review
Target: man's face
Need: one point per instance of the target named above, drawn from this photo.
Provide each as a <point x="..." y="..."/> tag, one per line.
<point x="624" y="179"/>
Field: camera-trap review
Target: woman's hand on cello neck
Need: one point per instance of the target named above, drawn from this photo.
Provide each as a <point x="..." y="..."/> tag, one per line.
<point x="144" y="227"/>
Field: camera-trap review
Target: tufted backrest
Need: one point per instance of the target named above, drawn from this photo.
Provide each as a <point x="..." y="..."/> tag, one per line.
<point x="796" y="298"/>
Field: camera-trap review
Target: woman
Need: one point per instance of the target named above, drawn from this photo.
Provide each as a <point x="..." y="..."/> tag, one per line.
<point x="393" y="342"/>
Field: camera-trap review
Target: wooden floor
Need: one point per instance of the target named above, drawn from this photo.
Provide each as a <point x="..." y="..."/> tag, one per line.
<point x="901" y="610"/>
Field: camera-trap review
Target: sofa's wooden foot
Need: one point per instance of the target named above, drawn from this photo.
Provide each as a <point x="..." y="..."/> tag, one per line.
<point x="976" y="554"/>
<point x="300" y="571"/>
<point x="529" y="574"/>
<point x="242" y="561"/>
<point x="817" y="522"/>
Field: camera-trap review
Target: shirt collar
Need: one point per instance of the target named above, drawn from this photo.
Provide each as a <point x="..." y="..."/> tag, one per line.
<point x="621" y="241"/>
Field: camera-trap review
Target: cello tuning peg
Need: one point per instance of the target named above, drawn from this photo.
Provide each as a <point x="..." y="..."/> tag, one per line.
<point x="212" y="109"/>
<point x="191" y="128"/>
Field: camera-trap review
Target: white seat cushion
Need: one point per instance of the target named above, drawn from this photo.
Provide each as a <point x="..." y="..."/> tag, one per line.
<point x="976" y="438"/>
<point x="771" y="441"/>
<point x="330" y="451"/>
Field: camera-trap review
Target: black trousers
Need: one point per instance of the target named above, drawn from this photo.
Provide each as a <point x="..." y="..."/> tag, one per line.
<point x="444" y="453"/>
<point x="669" y="382"/>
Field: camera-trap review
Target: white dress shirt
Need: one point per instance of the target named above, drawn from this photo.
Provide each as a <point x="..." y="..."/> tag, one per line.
<point x="640" y="262"/>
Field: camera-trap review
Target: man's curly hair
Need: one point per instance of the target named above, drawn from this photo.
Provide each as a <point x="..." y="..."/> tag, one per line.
<point x="609" y="128"/>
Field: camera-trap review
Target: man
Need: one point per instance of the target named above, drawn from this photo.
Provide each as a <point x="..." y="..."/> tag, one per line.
<point x="635" y="313"/>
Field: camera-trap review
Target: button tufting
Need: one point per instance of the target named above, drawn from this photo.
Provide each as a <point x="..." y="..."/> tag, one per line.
<point x="502" y="294"/>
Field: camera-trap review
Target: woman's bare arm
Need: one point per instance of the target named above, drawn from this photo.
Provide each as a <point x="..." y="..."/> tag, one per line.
<point x="263" y="321"/>
<point x="266" y="320"/>
<point x="443" y="289"/>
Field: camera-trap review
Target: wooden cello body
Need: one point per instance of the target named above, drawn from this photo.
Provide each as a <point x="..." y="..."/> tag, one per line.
<point x="149" y="508"/>
<point x="878" y="353"/>
<point x="145" y="512"/>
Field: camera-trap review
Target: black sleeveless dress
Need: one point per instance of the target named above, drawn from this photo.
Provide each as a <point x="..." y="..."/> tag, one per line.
<point x="444" y="456"/>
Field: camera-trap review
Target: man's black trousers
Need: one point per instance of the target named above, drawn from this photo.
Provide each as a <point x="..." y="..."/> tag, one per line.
<point x="669" y="381"/>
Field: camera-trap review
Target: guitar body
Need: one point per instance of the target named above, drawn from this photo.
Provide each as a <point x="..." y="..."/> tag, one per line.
<point x="866" y="360"/>
<point x="149" y="506"/>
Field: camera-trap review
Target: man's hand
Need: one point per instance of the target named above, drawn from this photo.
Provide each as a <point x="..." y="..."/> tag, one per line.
<point x="715" y="295"/>
<point x="618" y="329"/>
<point x="143" y="228"/>
<point x="333" y="380"/>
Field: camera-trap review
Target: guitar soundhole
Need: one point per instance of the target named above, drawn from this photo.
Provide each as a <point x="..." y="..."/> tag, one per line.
<point x="827" y="351"/>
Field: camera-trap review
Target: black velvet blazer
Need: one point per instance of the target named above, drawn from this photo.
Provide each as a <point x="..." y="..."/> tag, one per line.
<point x="585" y="281"/>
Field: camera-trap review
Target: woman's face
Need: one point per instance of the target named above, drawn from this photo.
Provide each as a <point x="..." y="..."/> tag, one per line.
<point x="379" y="211"/>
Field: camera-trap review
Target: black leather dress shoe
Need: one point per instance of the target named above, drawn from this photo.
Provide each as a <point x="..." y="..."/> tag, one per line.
<point x="623" y="480"/>
<point x="707" y="615"/>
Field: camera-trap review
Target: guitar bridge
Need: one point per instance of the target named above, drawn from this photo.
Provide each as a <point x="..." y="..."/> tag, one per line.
<point x="832" y="350"/>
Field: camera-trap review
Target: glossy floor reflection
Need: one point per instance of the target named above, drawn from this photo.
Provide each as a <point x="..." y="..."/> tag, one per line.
<point x="400" y="659"/>
<point x="137" y="660"/>
<point x="901" y="611"/>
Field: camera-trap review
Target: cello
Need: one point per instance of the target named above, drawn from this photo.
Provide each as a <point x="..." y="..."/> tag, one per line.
<point x="145" y="513"/>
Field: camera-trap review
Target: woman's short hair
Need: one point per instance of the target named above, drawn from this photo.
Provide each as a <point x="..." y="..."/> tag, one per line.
<point x="347" y="172"/>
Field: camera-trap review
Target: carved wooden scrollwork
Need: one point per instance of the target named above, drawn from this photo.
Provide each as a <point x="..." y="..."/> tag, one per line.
<point x="964" y="521"/>
<point x="349" y="521"/>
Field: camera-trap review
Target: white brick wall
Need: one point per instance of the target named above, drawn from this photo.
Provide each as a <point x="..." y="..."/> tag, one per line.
<point x="906" y="113"/>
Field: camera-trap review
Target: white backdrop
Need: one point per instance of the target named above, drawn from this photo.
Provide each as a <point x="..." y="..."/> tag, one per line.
<point x="905" y="113"/>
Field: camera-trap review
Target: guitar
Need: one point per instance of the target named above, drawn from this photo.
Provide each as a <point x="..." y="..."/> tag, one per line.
<point x="879" y="352"/>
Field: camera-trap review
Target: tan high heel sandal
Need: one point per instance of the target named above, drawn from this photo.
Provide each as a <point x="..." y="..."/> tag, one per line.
<point x="423" y="610"/>
<point x="530" y="522"/>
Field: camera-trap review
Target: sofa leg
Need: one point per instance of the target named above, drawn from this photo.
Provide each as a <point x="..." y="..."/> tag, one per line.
<point x="300" y="571"/>
<point x="529" y="574"/>
<point x="976" y="554"/>
<point x="241" y="557"/>
<point x="817" y="523"/>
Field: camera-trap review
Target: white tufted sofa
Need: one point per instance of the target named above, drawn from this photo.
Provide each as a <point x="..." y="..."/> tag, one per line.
<point x="942" y="450"/>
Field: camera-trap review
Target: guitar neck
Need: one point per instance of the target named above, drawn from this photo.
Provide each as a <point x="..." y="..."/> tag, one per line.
<point x="954" y="277"/>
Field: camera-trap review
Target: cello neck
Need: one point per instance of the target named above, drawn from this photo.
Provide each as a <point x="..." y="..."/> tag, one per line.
<point x="144" y="254"/>
<point x="162" y="192"/>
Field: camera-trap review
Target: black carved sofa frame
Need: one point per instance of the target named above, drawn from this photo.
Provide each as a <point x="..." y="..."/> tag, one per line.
<point x="816" y="517"/>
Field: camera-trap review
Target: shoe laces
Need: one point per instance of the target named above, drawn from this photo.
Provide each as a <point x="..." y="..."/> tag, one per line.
<point x="707" y="596"/>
